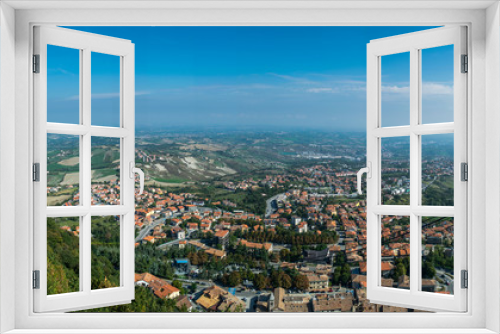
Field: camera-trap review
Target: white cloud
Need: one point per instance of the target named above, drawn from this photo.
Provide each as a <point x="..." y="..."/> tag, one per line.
<point x="396" y="89"/>
<point x="321" y="90"/>
<point x="428" y="88"/>
<point x="294" y="79"/>
<point x="106" y="95"/>
<point x="435" y="88"/>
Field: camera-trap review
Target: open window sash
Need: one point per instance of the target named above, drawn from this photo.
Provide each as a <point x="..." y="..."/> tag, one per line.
<point x="413" y="295"/>
<point x="84" y="297"/>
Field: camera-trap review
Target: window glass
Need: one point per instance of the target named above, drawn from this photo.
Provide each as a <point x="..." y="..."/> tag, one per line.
<point x="437" y="84"/>
<point x="105" y="252"/>
<point x="63" y="170"/>
<point x="395" y="263"/>
<point x="63" y="255"/>
<point x="437" y="255"/>
<point x="105" y="171"/>
<point x="395" y="94"/>
<point x="63" y="85"/>
<point x="437" y="169"/>
<point x="105" y="89"/>
<point x="395" y="170"/>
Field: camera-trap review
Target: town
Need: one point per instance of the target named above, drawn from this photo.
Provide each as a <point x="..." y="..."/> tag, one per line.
<point x="288" y="240"/>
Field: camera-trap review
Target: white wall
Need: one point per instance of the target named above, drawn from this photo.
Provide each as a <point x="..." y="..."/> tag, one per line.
<point x="493" y="160"/>
<point x="7" y="159"/>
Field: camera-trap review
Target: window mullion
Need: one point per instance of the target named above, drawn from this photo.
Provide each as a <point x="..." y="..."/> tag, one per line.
<point x="414" y="166"/>
<point x="86" y="172"/>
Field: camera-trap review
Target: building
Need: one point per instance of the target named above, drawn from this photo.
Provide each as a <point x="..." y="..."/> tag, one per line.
<point x="315" y="256"/>
<point x="317" y="283"/>
<point x="297" y="303"/>
<point x="254" y="245"/>
<point x="262" y="302"/>
<point x="183" y="302"/>
<point x="216" y="299"/>
<point x="160" y="288"/>
<point x="149" y="239"/>
<point x="222" y="237"/>
<point x="340" y="302"/>
<point x="276" y="301"/>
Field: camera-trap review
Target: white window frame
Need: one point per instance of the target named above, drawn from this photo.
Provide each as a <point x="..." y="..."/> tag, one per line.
<point x="413" y="43"/>
<point x="86" y="44"/>
<point x="16" y="121"/>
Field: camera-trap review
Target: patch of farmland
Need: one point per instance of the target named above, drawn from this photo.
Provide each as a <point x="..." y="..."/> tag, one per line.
<point x="70" y="161"/>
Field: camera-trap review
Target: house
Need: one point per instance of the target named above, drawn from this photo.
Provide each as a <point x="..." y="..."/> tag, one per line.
<point x="183" y="303"/>
<point x="216" y="299"/>
<point x="297" y="303"/>
<point x="315" y="256"/>
<point x="149" y="239"/>
<point x="262" y="302"/>
<point x="254" y="245"/>
<point x="222" y="237"/>
<point x="317" y="283"/>
<point x="178" y="232"/>
<point x="164" y="290"/>
<point x="160" y="288"/>
<point x="276" y="301"/>
<point x="302" y="227"/>
<point x="342" y="302"/>
<point x="144" y="279"/>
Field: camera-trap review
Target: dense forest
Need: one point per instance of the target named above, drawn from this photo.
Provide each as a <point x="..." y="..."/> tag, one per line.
<point x="63" y="259"/>
<point x="63" y="264"/>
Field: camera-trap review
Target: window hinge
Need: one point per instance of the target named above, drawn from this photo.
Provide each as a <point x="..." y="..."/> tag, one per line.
<point x="464" y="170"/>
<point x="36" y="279"/>
<point x="36" y="63"/>
<point x="465" y="64"/>
<point x="465" y="279"/>
<point x="36" y="172"/>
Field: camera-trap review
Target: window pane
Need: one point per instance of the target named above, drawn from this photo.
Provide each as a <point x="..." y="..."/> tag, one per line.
<point x="395" y="171"/>
<point x="395" y="95"/>
<point x="105" y="171"/>
<point x="395" y="265"/>
<point x="63" y="170"/>
<point x="437" y="254"/>
<point x="63" y="255"/>
<point x="437" y="170"/>
<point x="437" y="84"/>
<point x="105" y="252"/>
<point x="105" y="90"/>
<point x="63" y="85"/>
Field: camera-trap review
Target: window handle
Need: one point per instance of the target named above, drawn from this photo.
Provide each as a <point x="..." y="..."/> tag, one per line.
<point x="368" y="171"/>
<point x="133" y="171"/>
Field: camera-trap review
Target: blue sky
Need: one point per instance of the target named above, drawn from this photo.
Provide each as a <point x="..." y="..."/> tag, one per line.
<point x="257" y="77"/>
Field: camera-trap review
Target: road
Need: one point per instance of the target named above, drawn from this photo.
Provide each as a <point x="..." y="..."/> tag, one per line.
<point x="428" y="184"/>
<point x="272" y="204"/>
<point x="170" y="243"/>
<point x="147" y="230"/>
<point x="442" y="274"/>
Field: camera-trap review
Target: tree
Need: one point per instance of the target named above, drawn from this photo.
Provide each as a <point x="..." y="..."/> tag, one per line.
<point x="340" y="259"/>
<point x="193" y="287"/>
<point x="260" y="281"/>
<point x="301" y="282"/>
<point x="428" y="270"/>
<point x="400" y="270"/>
<point x="342" y="274"/>
<point x="177" y="284"/>
<point x="286" y="281"/>
<point x="285" y="255"/>
<point x="345" y="277"/>
<point x="234" y="278"/>
<point x="280" y="279"/>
